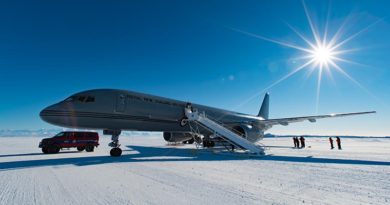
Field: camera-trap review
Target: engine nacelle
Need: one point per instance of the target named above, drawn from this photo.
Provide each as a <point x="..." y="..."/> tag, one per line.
<point x="177" y="136"/>
<point x="249" y="132"/>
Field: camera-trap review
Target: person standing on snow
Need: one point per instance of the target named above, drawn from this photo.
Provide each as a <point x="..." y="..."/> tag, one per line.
<point x="331" y="142"/>
<point x="302" y="139"/>
<point x="338" y="142"/>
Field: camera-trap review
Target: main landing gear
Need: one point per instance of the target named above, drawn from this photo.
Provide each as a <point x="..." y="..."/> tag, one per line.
<point x="115" y="151"/>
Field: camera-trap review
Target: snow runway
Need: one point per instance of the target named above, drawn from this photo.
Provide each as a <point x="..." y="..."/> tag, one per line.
<point x="149" y="172"/>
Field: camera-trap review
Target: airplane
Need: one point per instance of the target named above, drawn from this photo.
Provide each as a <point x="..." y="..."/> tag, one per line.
<point x="113" y="111"/>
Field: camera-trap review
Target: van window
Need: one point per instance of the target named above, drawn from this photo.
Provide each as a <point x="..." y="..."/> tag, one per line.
<point x="70" y="134"/>
<point x="76" y="134"/>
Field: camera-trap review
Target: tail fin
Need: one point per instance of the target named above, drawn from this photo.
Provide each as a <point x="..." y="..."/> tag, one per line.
<point x="264" y="110"/>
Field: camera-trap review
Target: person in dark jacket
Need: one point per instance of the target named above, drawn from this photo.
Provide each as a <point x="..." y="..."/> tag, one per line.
<point x="331" y="142"/>
<point x="302" y="139"/>
<point x="295" y="142"/>
<point x="338" y="142"/>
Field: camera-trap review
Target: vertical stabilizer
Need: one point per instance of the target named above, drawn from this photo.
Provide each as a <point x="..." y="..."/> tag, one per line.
<point x="264" y="110"/>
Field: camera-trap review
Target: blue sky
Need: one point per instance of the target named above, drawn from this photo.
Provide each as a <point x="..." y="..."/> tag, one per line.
<point x="191" y="50"/>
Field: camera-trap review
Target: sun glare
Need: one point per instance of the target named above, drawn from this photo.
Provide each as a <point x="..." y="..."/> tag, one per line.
<point x="322" y="50"/>
<point x="322" y="55"/>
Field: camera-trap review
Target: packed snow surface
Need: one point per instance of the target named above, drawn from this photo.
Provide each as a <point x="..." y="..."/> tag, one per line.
<point x="152" y="172"/>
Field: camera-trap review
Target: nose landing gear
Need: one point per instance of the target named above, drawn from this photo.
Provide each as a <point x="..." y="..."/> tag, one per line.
<point x="115" y="151"/>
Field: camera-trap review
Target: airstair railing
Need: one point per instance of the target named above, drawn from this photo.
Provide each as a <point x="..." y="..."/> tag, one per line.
<point x="224" y="132"/>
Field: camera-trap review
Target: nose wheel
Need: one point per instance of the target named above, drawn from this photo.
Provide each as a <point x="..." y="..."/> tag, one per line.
<point x="116" y="152"/>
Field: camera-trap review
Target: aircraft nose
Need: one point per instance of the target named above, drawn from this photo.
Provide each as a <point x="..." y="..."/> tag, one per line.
<point x="47" y="113"/>
<point x="57" y="114"/>
<point x="44" y="114"/>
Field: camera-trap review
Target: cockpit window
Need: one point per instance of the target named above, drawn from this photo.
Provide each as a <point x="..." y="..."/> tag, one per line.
<point x="70" y="99"/>
<point x="90" y="99"/>
<point x="81" y="98"/>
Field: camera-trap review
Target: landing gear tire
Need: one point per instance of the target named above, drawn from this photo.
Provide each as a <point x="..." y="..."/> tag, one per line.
<point x="44" y="150"/>
<point x="80" y="149"/>
<point x="89" y="148"/>
<point x="116" y="152"/>
<point x="54" y="149"/>
<point x="207" y="143"/>
<point x="191" y="141"/>
<point x="183" y="121"/>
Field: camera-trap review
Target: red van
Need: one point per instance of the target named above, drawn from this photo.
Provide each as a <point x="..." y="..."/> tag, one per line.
<point x="70" y="139"/>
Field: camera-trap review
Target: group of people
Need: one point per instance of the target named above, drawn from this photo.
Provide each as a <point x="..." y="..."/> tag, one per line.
<point x="338" y="141"/>
<point x="300" y="142"/>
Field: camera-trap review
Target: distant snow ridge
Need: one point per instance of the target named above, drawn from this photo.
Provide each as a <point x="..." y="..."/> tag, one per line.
<point x="269" y="135"/>
<point x="52" y="132"/>
<point x="33" y="133"/>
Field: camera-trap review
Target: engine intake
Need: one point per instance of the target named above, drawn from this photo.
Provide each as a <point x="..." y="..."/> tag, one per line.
<point x="177" y="136"/>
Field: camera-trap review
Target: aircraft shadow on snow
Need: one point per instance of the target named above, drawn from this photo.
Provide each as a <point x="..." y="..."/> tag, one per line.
<point x="34" y="154"/>
<point x="166" y="154"/>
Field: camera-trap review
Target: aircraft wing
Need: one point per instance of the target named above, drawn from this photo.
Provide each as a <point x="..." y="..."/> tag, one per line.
<point x="286" y="121"/>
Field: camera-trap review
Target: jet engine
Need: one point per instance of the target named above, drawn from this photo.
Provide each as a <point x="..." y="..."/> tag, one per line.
<point x="177" y="136"/>
<point x="249" y="132"/>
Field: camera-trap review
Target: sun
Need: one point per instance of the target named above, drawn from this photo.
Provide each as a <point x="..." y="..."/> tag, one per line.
<point x="322" y="55"/>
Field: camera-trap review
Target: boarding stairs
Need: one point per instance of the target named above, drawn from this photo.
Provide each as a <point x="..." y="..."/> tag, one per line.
<point x="225" y="133"/>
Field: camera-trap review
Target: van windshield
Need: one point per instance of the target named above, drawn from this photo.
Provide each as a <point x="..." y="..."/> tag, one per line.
<point x="60" y="134"/>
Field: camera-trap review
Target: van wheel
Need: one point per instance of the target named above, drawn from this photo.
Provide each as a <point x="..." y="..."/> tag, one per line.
<point x="80" y="149"/>
<point x="89" y="148"/>
<point x="44" y="150"/>
<point x="53" y="149"/>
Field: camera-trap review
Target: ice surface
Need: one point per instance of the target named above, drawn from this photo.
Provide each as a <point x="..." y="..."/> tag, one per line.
<point x="150" y="172"/>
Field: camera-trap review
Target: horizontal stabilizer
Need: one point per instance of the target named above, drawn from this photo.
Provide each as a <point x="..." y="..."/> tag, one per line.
<point x="286" y="121"/>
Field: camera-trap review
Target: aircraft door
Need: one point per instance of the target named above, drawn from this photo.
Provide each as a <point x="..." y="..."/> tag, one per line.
<point x="120" y="103"/>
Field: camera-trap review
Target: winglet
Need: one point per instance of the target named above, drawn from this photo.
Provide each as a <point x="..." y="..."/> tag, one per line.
<point x="264" y="110"/>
